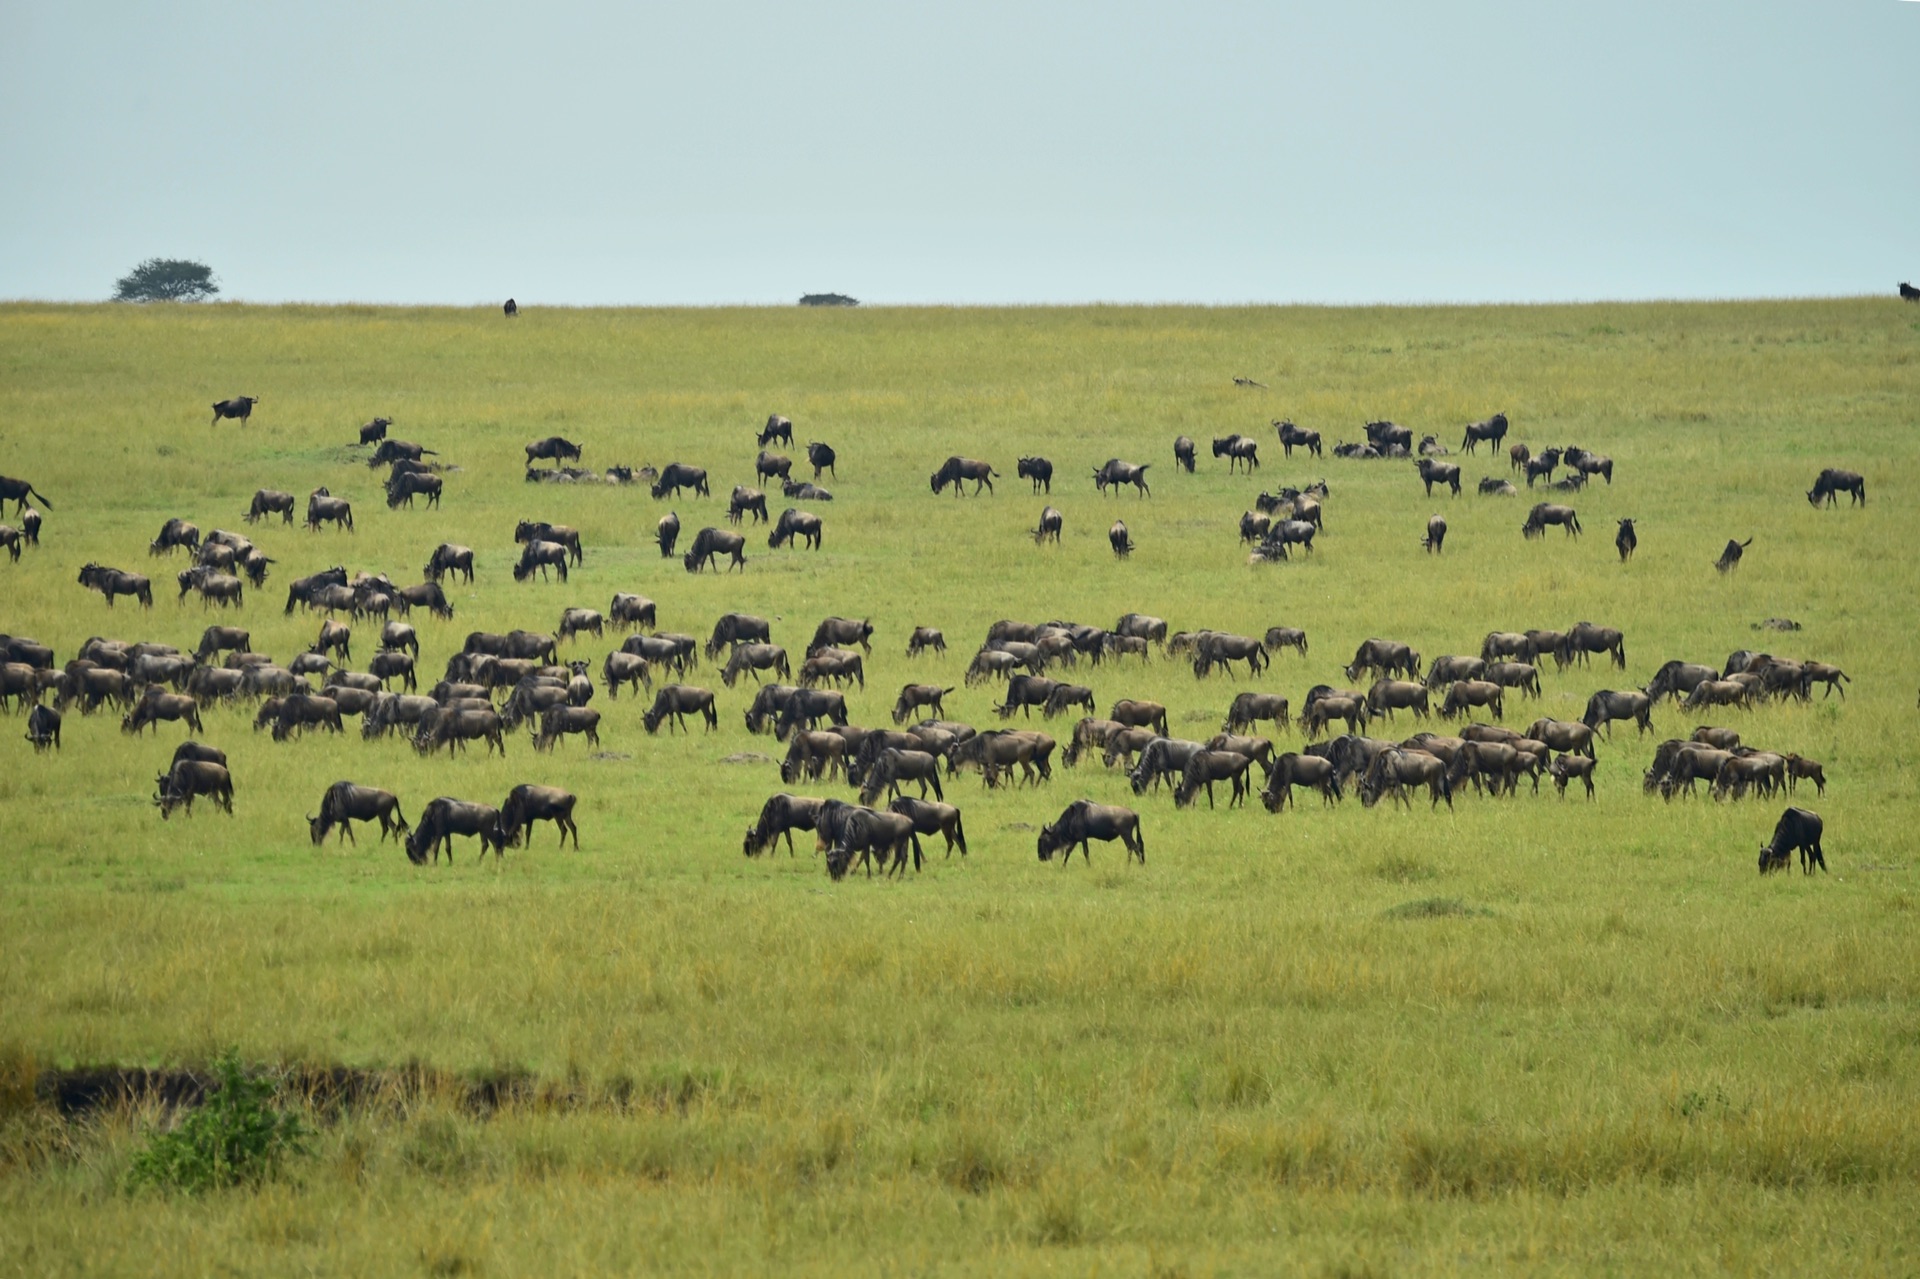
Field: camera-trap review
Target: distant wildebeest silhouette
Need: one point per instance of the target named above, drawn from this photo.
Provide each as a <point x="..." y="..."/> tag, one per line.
<point x="240" y="408"/>
<point x="1831" y="482"/>
<point x="1730" y="557"/>
<point x="512" y="309"/>
<point x="17" y="492"/>
<point x="1908" y="293"/>
<point x="1039" y="470"/>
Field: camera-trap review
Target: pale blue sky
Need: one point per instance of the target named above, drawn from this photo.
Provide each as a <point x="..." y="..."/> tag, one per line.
<point x="979" y="153"/>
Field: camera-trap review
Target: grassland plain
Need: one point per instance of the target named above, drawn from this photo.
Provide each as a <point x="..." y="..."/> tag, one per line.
<point x="1528" y="1036"/>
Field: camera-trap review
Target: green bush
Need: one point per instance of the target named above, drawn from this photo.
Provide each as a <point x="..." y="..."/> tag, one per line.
<point x="235" y="1136"/>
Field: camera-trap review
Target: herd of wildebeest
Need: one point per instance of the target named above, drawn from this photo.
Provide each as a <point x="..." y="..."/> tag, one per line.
<point x="498" y="683"/>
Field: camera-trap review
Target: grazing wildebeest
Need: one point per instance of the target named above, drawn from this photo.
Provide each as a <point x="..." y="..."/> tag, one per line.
<point x="1730" y="557"/>
<point x="1119" y="540"/>
<point x="1388" y="695"/>
<point x="709" y="542"/>
<point x="1393" y="771"/>
<point x="796" y="525"/>
<point x="1462" y="694"/>
<point x="1608" y="705"/>
<point x="630" y="611"/>
<point x="541" y="556"/>
<point x="667" y="532"/>
<point x="1162" y="759"/>
<point x="1025" y="692"/>
<point x="269" y="501"/>
<point x="1545" y="513"/>
<point x="345" y="803"/>
<point x="930" y="817"/>
<point x="1049" y="527"/>
<point x="754" y="658"/>
<point x="449" y="557"/>
<point x="575" y="620"/>
<point x="1140" y="714"/>
<point x="398" y="452"/>
<point x="872" y="835"/>
<point x="188" y="778"/>
<point x="221" y="588"/>
<point x="1720" y="692"/>
<point x="744" y="501"/>
<point x="998" y="752"/>
<point x="1249" y="708"/>
<point x="836" y="631"/>
<point x="822" y="458"/>
<point x="768" y="465"/>
<point x="673" y="703"/>
<point x="402" y="489"/>
<point x="1088" y="734"/>
<point x="782" y="814"/>
<point x="43" y="730"/>
<point x="10" y="538"/>
<point x="112" y="581"/>
<point x="893" y="766"/>
<point x="240" y="408"/>
<point x="677" y="476"/>
<point x="555" y="449"/>
<point x="923" y="638"/>
<point x="1141" y="626"/>
<point x="738" y="628"/>
<point x="325" y="509"/>
<point x="455" y="728"/>
<point x="1039" y="470"/>
<point x="1798" y="828"/>
<point x="1384" y="657"/>
<point x="1436" y="534"/>
<point x="1183" y="452"/>
<point x="1065" y="696"/>
<point x="1116" y="472"/>
<point x="17" y="492"/>
<point x="1217" y="648"/>
<point x="156" y="706"/>
<point x="443" y="818"/>
<point x="1292" y="770"/>
<point x="1445" y="670"/>
<point x="1292" y="436"/>
<point x="914" y="697"/>
<point x="176" y="532"/>
<point x="386" y="666"/>
<point x="1830" y="483"/>
<point x="531" y="531"/>
<point x="558" y="721"/>
<point x="335" y="637"/>
<point x="624" y="668"/>
<point x="956" y="470"/>
<point x="527" y="804"/>
<point x="777" y="428"/>
<point x="1432" y="473"/>
<point x="1084" y="820"/>
<point x="1493" y="430"/>
<point x="811" y="754"/>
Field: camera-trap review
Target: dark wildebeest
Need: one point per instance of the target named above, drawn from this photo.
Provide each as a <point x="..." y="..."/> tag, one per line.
<point x="805" y="707"/>
<point x="767" y="465"/>
<point x="782" y="814"/>
<point x="738" y="628"/>
<point x="1065" y="696"/>
<point x="805" y="492"/>
<point x="10" y="538"/>
<point x="1039" y="470"/>
<point x="624" y="668"/>
<point x="835" y="631"/>
<point x="188" y="778"/>
<point x="335" y="637"/>
<point x="1832" y="676"/>
<point x="1049" y="527"/>
<point x="1908" y="293"/>
<point x="1518" y="455"/>
<point x="240" y="408"/>
<point x="1798" y="828"/>
<point x="1384" y="657"/>
<point x="221" y="588"/>
<point x="630" y="611"/>
<point x="677" y="476"/>
<point x="1207" y="767"/>
<point x="1567" y="767"/>
<point x="894" y="766"/>
<point x="558" y="721"/>
<point x="156" y="706"/>
<point x="325" y="509"/>
<point x="1545" y="513"/>
<point x="1025" y="692"/>
<point x="344" y="804"/>
<point x="777" y="428"/>
<point x="1493" y="430"/>
<point x="43" y="730"/>
<point x="267" y="502"/>
<point x="745" y="501"/>
<point x="1119" y="539"/>
<point x="1116" y="472"/>
<point x="914" y="697"/>
<point x="822" y="458"/>
<point x="511" y="310"/>
<point x="1253" y="528"/>
<point x="1293" y="637"/>
<point x="667" y="532"/>
<point x="17" y="492"/>
<point x="872" y="835"/>
<point x="1292" y="770"/>
<point x="1183" y="447"/>
<point x="1393" y="771"/>
<point x="531" y="531"/>
<point x="1541" y="466"/>
<point x="1388" y="695"/>
<point x="1608" y="705"/>
<point x="1586" y="638"/>
<point x="1490" y="487"/>
<point x="1730" y="557"/>
<point x="375" y="431"/>
<point x="795" y="525"/>
<point x="709" y="542"/>
<point x="1386" y="435"/>
<point x="1140" y="714"/>
<point x="1432" y="473"/>
<point x="527" y="804"/>
<point x="112" y="581"/>
<point x="811" y="754"/>
<point x="1436" y="534"/>
<point x="1799" y="766"/>
<point x="1237" y="449"/>
<point x="541" y="556"/>
<point x="956" y="470"/>
<point x="427" y="595"/>
<point x="555" y="449"/>
<point x="575" y="620"/>
<point x="176" y="532"/>
<point x="1141" y="626"/>
<point x="1563" y="736"/>
<point x="1250" y="708"/>
<point x="443" y="818"/>
<point x="1625" y="540"/>
<point x="1292" y="437"/>
<point x="1587" y="463"/>
<point x="1084" y="820"/>
<point x="1830" y="483"/>
<point x="398" y="451"/>
<point x="449" y="558"/>
<point x="1676" y="677"/>
<point x="1445" y="670"/>
<point x="402" y="489"/>
<point x="923" y="638"/>
<point x="754" y="658"/>
<point x="1462" y="694"/>
<point x="1162" y="759"/>
<point x="673" y="703"/>
<point x="998" y="752"/>
<point x="930" y="817"/>
<point x="386" y="666"/>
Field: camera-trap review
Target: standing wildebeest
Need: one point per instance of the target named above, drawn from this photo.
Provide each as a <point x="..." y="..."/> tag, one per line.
<point x="1608" y="705"/>
<point x="631" y="611"/>
<point x="771" y="464"/>
<point x="1217" y="648"/>
<point x="1039" y="470"/>
<point x="449" y="558"/>
<point x="1292" y="770"/>
<point x="269" y="501"/>
<point x="187" y="778"/>
<point x="1677" y="677"/>
<point x="531" y="531"/>
<point x="1249" y="708"/>
<point x="17" y="492"/>
<point x="1049" y="527"/>
<point x="112" y="581"/>
<point x="240" y="408"/>
<point x="1183" y="452"/>
<point x="754" y="658"/>
<point x="1563" y="736"/>
<point x="1393" y="771"/>
<point x="1292" y="436"/>
<point x="1565" y="768"/>
<point x="667" y="532"/>
<point x="923" y="638"/>
<point x="404" y="488"/>
<point x="10" y="538"/>
<point x="176" y="532"/>
<point x="387" y="665"/>
<point x="1545" y="513"/>
<point x="555" y="449"/>
<point x="1908" y="293"/>
<point x="709" y="542"/>
<point x="744" y="501"/>
<point x="1384" y="657"/>
<point x="1119" y="539"/>
<point x="1586" y="463"/>
<point x="527" y="804"/>
<point x="1445" y="670"/>
<point x="511" y="310"/>
<point x="931" y="817"/>
<point x="1587" y="638"/>
<point x="777" y="428"/>
<point x="822" y="458"/>
<point x="1205" y="768"/>
<point x="1084" y="820"/>
<point x="542" y="556"/>
<point x="1140" y="714"/>
<point x="443" y="818"/>
<point x="1237" y="449"/>
<point x="375" y="431"/>
<point x="323" y="508"/>
<point x="1436" y="534"/>
<point x="893" y="766"/>
<point x="344" y="804"/>
<point x="1830" y="483"/>
<point x="156" y="706"/>
<point x="1293" y="637"/>
<point x="956" y="470"/>
<point x="1462" y="694"/>
<point x="1116" y="472"/>
<point x="1493" y="430"/>
<point x="738" y="628"/>
<point x="915" y="697"/>
<point x="872" y="835"/>
<point x="782" y="814"/>
<point x="558" y="721"/>
<point x="43" y="730"/>
<point x="1798" y="828"/>
<point x="1730" y="557"/>
<point x="1388" y="695"/>
<point x="796" y="525"/>
<point x="399" y="452"/>
<point x="677" y="476"/>
<point x="575" y="620"/>
<point x="1432" y="473"/>
<point x="1141" y="626"/>
<point x="427" y="595"/>
<point x="673" y="702"/>
<point x="1625" y="540"/>
<point x="834" y="631"/>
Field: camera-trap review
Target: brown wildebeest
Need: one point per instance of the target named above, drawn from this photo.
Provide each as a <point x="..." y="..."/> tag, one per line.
<point x="931" y="817"/>
<point x="1567" y="767"/>
<point x="893" y="766"/>
<point x="1719" y="692"/>
<point x="558" y="721"/>
<point x="1608" y="705"/>
<point x="449" y="558"/>
<point x="999" y="751"/>
<point x="924" y="638"/>
<point x="1587" y="463"/>
<point x="833" y="665"/>
<point x="239" y="408"/>
<point x="1049" y="527"/>
<point x="156" y="706"/>
<point x="1730" y="557"/>
<point x="10" y="538"/>
<point x="673" y="703"/>
<point x="1436" y="534"/>
<point x="1465" y="693"/>
<point x="1799" y="766"/>
<point x="402" y="489"/>
<point x="527" y="804"/>
<point x="754" y="658"/>
<point x="268" y="502"/>
<point x="744" y="501"/>
<point x="176" y="532"/>
<point x="1545" y="513"/>
<point x="1084" y="820"/>
<point x="575" y="620"/>
<point x="1087" y="734"/>
<point x="1292" y="770"/>
<point x="1625" y="540"/>
<point x="630" y="611"/>
<point x="1253" y="527"/>
<point x="1493" y="430"/>
<point x="1445" y="670"/>
<point x="43" y="728"/>
<point x="1830" y="483"/>
<point x="1249" y="708"/>
<point x="812" y="755"/>
<point x="375" y="431"/>
<point x="1238" y="449"/>
<point x="1119" y="539"/>
<point x="1384" y="657"/>
<point x="1434" y="472"/>
<point x="1124" y="744"/>
<point x="1832" y="676"/>
<point x="1322" y="711"/>
<point x="915" y="697"/>
<point x="955" y="470"/>
<point x="17" y="492"/>
<point x="666" y="533"/>
<point x="1585" y="638"/>
<point x="1039" y="470"/>
<point x="112" y="581"/>
<point x="782" y="814"/>
<point x="345" y="803"/>
<point x="1141" y="626"/>
<point x="1677" y="677"/>
<point x="1065" y="696"/>
<point x="1798" y="828"/>
<point x="386" y="666"/>
<point x="1394" y="770"/>
<point x="778" y="428"/>
<point x="709" y="542"/>
<point x="1518" y="455"/>
<point x="1563" y="735"/>
<point x="554" y="448"/>
<point x="1542" y="465"/>
<point x="842" y="631"/>
<point x="677" y="476"/>
<point x="1183" y="452"/>
<point x="1279" y="637"/>
<point x="821" y="457"/>
<point x="188" y="778"/>
<point x="325" y="509"/>
<point x="795" y="526"/>
<point x="399" y="451"/>
<point x="1388" y="695"/>
<point x="1134" y="713"/>
<point x="767" y="465"/>
<point x="1116" y="472"/>
<point x="1024" y="692"/>
<point x="1385" y="435"/>
<point x="1491" y="487"/>
<point x="1292" y="437"/>
<point x="222" y="639"/>
<point x="1207" y="767"/>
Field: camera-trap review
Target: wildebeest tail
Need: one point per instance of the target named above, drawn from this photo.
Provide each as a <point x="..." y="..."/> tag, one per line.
<point x="959" y="831"/>
<point x="33" y="492"/>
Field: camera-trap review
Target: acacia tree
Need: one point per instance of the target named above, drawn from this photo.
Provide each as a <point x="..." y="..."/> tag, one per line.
<point x="167" y="280"/>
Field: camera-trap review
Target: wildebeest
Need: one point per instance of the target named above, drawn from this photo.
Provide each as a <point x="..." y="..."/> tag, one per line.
<point x="10" y="538"/>
<point x="575" y="620"/>
<point x="1237" y="449"/>
<point x="43" y="729"/>
<point x="667" y="532"/>
<point x="1250" y="708"/>
<point x="804" y="491"/>
<point x="112" y="581"/>
<point x="1436" y="534"/>
<point x="709" y="542"/>
<point x="674" y="702"/>
<point x="541" y="556"/>
<point x="812" y="754"/>
<point x="1545" y="513"/>
<point x="1608" y="705"/>
<point x="1433" y="472"/>
<point x="554" y="448"/>
<point x="156" y="706"/>
<point x="1393" y="771"/>
<point x="782" y="814"/>
<point x="1292" y="437"/>
<point x="267" y="502"/>
<point x="930" y="817"/>
<point x="738" y="628"/>
<point x="1462" y="694"/>
<point x="1830" y="483"/>
<point x="1292" y="770"/>
<point x="1119" y="539"/>
<point x="1908" y="293"/>
<point x="1025" y="692"/>
<point x="1384" y="657"/>
<point x="1625" y="540"/>
<point x="796" y="525"/>
<point x="998" y="752"/>
<point x="822" y="458"/>
<point x="1388" y="695"/>
<point x="754" y="658"/>
<point x="1493" y="430"/>
<point x="746" y="501"/>
<point x="777" y="428"/>
<point x="678" y="475"/>
<point x="399" y="451"/>
<point x="345" y="803"/>
<point x="919" y="697"/>
<point x="449" y="557"/>
<point x="1798" y="828"/>
<point x="894" y="766"/>
<point x="1720" y="692"/>
<point x="1563" y="736"/>
<point x="1039" y="470"/>
<point x="1183" y="447"/>
<point x="511" y="310"/>
<point x="1084" y="820"/>
<point x="1049" y="527"/>
<point x="870" y="834"/>
<point x="1730" y="557"/>
<point x="176" y="532"/>
<point x="1205" y="768"/>
<point x="956" y="470"/>
<point x="1491" y="487"/>
<point x="1116" y="472"/>
<point x="388" y="665"/>
<point x="375" y="431"/>
<point x="402" y="489"/>
<point x="454" y="728"/>
<point x="323" y="508"/>
<point x="188" y="778"/>
<point x="443" y="818"/>
<point x="221" y="588"/>
<point x="924" y="638"/>
<point x="527" y="804"/>
<point x="1565" y="768"/>
<point x="335" y="637"/>
<point x="240" y="408"/>
<point x="834" y="631"/>
<point x="222" y="639"/>
<point x="558" y="721"/>
<point x="17" y="492"/>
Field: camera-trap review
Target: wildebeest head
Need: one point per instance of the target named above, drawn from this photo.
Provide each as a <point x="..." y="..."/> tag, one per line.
<point x="1049" y="842"/>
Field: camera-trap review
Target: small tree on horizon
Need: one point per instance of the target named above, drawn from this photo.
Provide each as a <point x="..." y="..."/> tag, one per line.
<point x="166" y="280"/>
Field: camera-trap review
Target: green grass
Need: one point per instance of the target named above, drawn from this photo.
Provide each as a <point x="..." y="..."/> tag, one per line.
<point x="1531" y="1036"/>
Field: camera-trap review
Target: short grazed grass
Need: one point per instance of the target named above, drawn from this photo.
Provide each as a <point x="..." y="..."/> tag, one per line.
<point x="1532" y="1035"/>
